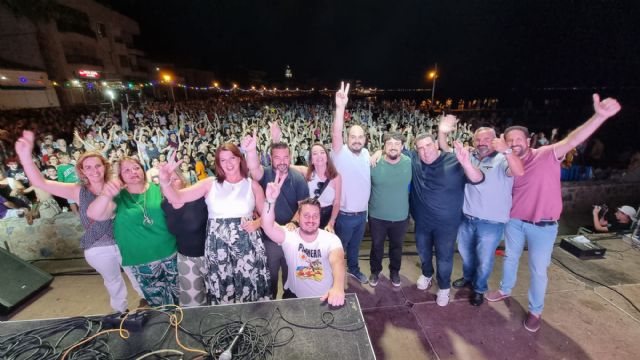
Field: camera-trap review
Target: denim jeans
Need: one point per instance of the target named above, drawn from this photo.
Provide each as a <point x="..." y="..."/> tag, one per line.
<point x="443" y="238"/>
<point x="380" y="229"/>
<point x="350" y="230"/>
<point x="540" y="240"/>
<point x="477" y="243"/>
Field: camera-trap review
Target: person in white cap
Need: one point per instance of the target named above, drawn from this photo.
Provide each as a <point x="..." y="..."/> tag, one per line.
<point x="625" y="216"/>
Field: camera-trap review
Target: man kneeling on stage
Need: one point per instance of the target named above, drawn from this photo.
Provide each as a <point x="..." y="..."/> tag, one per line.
<point x="314" y="256"/>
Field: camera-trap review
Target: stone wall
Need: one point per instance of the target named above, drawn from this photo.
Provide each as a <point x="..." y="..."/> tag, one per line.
<point x="55" y="238"/>
<point x="581" y="196"/>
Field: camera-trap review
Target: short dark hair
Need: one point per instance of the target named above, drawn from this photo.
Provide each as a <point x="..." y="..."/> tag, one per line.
<point x="392" y="135"/>
<point x="517" y="127"/>
<point x="279" y="145"/>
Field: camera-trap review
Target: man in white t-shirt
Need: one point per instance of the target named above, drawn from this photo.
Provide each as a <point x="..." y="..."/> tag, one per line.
<point x="314" y="257"/>
<point x="352" y="162"/>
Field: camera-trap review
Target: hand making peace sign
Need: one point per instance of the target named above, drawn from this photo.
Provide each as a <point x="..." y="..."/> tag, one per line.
<point x="342" y="96"/>
<point x="168" y="168"/>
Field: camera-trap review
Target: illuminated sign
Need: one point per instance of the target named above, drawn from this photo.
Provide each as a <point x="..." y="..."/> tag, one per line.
<point x="90" y="74"/>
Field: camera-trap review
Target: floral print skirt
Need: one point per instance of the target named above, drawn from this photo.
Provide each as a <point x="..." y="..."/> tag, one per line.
<point x="236" y="263"/>
<point x="158" y="281"/>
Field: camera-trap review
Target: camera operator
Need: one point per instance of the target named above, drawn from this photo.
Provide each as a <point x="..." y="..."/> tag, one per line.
<point x="625" y="216"/>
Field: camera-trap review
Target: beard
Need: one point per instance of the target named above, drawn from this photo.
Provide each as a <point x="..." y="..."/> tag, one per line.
<point x="355" y="147"/>
<point x="393" y="156"/>
<point x="283" y="168"/>
<point x="483" y="150"/>
<point x="518" y="150"/>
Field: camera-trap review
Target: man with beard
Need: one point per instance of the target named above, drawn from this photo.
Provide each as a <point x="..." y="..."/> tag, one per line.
<point x="389" y="207"/>
<point x="486" y="206"/>
<point x="315" y="257"/>
<point x="537" y="205"/>
<point x="437" y="192"/>
<point x="352" y="162"/>
<point x="294" y="189"/>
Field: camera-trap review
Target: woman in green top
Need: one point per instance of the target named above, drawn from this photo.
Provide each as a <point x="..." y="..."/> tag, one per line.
<point x="148" y="248"/>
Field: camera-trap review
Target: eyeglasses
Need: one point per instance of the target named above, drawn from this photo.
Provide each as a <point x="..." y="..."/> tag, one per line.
<point x="320" y="186"/>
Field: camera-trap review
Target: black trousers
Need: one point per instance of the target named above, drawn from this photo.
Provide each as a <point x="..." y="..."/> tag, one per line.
<point x="381" y="229"/>
<point x="275" y="263"/>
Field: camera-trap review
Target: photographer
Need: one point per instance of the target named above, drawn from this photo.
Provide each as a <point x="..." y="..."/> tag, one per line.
<point x="625" y="216"/>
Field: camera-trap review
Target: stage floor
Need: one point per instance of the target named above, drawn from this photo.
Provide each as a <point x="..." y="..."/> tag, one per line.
<point x="582" y="319"/>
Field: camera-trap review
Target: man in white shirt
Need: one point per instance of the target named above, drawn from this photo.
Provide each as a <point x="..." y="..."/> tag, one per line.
<point x="314" y="257"/>
<point x="352" y="162"/>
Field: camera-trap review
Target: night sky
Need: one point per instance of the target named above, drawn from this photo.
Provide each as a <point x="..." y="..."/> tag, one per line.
<point x="480" y="46"/>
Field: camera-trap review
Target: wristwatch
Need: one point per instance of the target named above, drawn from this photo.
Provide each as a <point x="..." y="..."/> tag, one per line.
<point x="508" y="151"/>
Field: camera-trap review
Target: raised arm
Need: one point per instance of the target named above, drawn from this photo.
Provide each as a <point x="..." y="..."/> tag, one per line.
<point x="597" y="222"/>
<point x="516" y="168"/>
<point x="253" y="160"/>
<point x="447" y="125"/>
<point x="603" y="110"/>
<point x="24" y="150"/>
<point x="192" y="193"/>
<point x="276" y="132"/>
<point x="338" y="121"/>
<point x="473" y="173"/>
<point x="273" y="230"/>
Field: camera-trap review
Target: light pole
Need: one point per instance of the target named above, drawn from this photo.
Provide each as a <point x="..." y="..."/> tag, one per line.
<point x="433" y="75"/>
<point x="167" y="79"/>
<point x="111" y="95"/>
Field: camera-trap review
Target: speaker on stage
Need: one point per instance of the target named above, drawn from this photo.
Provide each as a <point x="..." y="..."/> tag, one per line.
<point x="19" y="281"/>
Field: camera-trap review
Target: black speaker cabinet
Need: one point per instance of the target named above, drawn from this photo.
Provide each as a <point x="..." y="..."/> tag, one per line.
<point x="19" y="281"/>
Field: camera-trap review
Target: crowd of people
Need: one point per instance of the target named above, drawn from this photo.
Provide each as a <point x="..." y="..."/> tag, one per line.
<point x="211" y="202"/>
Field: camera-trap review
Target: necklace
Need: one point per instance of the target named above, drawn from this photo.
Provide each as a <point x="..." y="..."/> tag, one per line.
<point x="147" y="220"/>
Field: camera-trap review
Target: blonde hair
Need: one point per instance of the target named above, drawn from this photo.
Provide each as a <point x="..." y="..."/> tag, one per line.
<point x="91" y="154"/>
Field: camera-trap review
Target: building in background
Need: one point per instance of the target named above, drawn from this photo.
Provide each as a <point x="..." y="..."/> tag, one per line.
<point x="22" y="87"/>
<point x="84" y="47"/>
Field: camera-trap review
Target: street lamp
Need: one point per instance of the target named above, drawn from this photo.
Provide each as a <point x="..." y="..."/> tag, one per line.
<point x="433" y="75"/>
<point x="167" y="79"/>
<point x="111" y="96"/>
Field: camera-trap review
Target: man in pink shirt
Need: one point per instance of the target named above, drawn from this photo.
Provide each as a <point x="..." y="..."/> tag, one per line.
<point x="536" y="207"/>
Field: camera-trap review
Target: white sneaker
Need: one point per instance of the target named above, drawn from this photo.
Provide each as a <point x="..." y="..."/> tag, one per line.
<point x="443" y="297"/>
<point x="423" y="282"/>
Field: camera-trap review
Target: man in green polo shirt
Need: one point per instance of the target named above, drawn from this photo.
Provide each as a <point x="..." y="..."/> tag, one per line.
<point x="389" y="207"/>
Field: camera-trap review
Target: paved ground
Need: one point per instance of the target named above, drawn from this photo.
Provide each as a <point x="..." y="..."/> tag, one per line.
<point x="582" y="319"/>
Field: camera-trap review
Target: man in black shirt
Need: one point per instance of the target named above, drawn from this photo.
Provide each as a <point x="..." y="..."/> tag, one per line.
<point x="294" y="189"/>
<point x="437" y="192"/>
<point x="625" y="216"/>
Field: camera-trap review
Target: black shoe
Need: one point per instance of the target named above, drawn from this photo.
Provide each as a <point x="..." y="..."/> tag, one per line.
<point x="476" y="299"/>
<point x="395" y="279"/>
<point x="373" y="280"/>
<point x="460" y="283"/>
